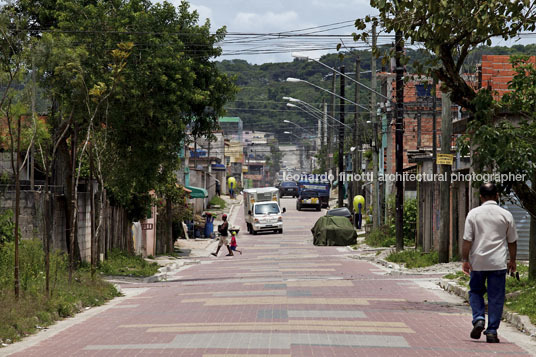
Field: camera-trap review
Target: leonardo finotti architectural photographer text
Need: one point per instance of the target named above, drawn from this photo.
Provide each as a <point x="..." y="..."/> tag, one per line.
<point x="408" y="177"/>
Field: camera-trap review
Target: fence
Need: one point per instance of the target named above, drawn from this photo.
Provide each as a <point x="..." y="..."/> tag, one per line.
<point x="115" y="231"/>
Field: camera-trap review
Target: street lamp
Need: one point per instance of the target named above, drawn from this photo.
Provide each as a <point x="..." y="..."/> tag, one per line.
<point x="299" y="126"/>
<point x="296" y="80"/>
<point x="291" y="133"/>
<point x="290" y="99"/>
<point x="304" y="57"/>
<point x="310" y="112"/>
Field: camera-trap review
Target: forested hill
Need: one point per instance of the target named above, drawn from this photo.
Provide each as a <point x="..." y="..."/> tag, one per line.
<point x="260" y="102"/>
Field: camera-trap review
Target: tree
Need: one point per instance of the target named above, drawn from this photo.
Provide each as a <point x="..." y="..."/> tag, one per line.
<point x="504" y="134"/>
<point x="449" y="31"/>
<point x="13" y="69"/>
<point x="168" y="83"/>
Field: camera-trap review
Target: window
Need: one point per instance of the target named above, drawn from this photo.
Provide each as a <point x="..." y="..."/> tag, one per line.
<point x="268" y="208"/>
<point x="309" y="194"/>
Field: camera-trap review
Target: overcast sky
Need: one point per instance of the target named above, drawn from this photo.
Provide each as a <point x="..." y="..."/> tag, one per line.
<point x="280" y="16"/>
<point x="269" y="16"/>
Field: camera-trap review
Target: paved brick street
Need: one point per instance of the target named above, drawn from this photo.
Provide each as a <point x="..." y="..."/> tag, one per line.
<point x="282" y="297"/>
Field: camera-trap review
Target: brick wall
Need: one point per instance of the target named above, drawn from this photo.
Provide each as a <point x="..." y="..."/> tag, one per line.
<point x="415" y="105"/>
<point x="497" y="72"/>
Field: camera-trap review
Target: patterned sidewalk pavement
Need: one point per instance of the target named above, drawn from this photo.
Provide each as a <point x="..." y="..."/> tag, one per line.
<point x="281" y="297"/>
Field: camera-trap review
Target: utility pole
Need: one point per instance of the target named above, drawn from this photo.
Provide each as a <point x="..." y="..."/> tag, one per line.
<point x="331" y="135"/>
<point x="34" y="120"/>
<point x="341" y="141"/>
<point x="399" y="141"/>
<point x="386" y="91"/>
<point x="356" y="164"/>
<point x="325" y="134"/>
<point x="374" y="121"/>
<point x="434" y="163"/>
<point x="320" y="133"/>
<point x="444" y="186"/>
<point x="92" y="218"/>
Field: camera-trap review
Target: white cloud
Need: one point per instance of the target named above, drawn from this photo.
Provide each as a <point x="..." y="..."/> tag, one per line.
<point x="270" y="21"/>
<point x="347" y="4"/>
<point x="204" y="12"/>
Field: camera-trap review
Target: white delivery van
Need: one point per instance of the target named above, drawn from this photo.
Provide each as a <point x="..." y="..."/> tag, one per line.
<point x="262" y="210"/>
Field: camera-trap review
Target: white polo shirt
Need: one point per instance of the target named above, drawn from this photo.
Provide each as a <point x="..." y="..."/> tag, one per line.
<point x="490" y="228"/>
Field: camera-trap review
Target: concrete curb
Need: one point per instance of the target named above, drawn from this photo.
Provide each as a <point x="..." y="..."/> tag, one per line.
<point x="169" y="269"/>
<point x="163" y="272"/>
<point x="233" y="212"/>
<point x="396" y="267"/>
<point x="521" y="322"/>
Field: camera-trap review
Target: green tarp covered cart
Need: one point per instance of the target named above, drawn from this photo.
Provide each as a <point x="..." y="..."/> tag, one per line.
<point x="334" y="230"/>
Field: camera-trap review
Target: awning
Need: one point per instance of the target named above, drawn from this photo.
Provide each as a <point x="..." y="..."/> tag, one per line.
<point x="218" y="167"/>
<point x="197" y="192"/>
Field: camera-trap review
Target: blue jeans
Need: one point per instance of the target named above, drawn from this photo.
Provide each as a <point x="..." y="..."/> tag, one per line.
<point x="496" y="280"/>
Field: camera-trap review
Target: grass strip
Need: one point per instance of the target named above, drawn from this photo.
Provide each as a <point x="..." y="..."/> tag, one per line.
<point x="217" y="201"/>
<point x="34" y="310"/>
<point x="520" y="294"/>
<point x="120" y="263"/>
<point x="413" y="259"/>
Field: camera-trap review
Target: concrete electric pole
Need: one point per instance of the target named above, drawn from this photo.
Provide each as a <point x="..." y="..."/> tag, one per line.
<point x="341" y="141"/>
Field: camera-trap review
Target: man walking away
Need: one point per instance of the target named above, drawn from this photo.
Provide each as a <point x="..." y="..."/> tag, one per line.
<point x="489" y="236"/>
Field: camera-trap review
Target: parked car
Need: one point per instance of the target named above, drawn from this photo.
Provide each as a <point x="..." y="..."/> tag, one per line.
<point x="288" y="188"/>
<point x="308" y="199"/>
<point x="341" y="211"/>
<point x="333" y="230"/>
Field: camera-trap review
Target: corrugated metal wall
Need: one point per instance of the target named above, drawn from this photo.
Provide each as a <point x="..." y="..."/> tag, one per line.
<point x="522" y="218"/>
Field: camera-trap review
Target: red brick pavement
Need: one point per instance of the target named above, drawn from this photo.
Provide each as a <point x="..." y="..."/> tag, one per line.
<point x="283" y="297"/>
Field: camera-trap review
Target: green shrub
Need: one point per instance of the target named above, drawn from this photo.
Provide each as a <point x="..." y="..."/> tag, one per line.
<point x="20" y="317"/>
<point x="125" y="264"/>
<point x="217" y="201"/>
<point x="381" y="237"/>
<point x="7" y="226"/>
<point x="413" y="259"/>
<point x="409" y="225"/>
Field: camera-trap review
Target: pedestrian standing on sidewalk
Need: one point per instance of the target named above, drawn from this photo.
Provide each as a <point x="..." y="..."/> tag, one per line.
<point x="233" y="243"/>
<point x="231" y="190"/>
<point x="218" y="188"/>
<point x="223" y="229"/>
<point x="489" y="236"/>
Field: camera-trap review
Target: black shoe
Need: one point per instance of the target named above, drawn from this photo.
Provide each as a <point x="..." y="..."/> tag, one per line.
<point x="478" y="327"/>
<point x="492" y="338"/>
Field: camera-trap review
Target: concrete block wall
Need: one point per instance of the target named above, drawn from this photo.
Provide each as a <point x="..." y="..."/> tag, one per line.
<point x="84" y="226"/>
<point x="32" y="220"/>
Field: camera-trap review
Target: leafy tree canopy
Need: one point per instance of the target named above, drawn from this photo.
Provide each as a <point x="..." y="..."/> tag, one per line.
<point x="450" y="30"/>
<point x="168" y="83"/>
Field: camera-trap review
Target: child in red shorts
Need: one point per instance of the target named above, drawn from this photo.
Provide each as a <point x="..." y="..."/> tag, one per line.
<point x="233" y="242"/>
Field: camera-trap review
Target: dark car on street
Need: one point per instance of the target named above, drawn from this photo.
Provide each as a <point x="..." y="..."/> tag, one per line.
<point x="308" y="199"/>
<point x="288" y="188"/>
<point x="342" y="212"/>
